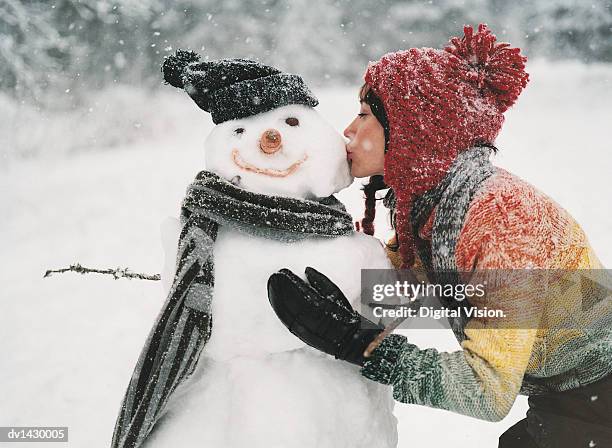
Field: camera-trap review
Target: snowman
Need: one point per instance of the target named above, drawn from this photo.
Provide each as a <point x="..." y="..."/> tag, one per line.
<point x="219" y="369"/>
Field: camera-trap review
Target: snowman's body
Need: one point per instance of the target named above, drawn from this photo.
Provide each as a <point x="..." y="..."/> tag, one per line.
<point x="256" y="384"/>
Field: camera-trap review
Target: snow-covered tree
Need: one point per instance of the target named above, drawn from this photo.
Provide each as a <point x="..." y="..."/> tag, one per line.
<point x="571" y="28"/>
<point x="49" y="48"/>
<point x="312" y="45"/>
<point x="114" y="40"/>
<point x="31" y="49"/>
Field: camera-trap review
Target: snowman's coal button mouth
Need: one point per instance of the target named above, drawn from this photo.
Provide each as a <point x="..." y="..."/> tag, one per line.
<point x="240" y="162"/>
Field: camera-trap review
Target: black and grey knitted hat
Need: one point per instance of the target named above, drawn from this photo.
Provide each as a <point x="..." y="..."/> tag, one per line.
<point x="234" y="88"/>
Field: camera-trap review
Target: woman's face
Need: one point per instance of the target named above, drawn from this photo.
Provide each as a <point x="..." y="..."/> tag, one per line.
<point x="366" y="147"/>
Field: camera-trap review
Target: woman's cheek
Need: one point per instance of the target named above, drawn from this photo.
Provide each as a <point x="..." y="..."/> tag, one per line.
<point x="367" y="145"/>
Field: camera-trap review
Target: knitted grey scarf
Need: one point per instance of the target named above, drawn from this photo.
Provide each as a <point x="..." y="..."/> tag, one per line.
<point x="184" y="324"/>
<point x="451" y="199"/>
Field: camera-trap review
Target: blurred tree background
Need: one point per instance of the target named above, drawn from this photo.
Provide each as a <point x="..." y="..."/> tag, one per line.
<point x="54" y="46"/>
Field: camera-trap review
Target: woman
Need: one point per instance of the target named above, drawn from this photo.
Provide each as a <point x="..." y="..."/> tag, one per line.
<point x="426" y="129"/>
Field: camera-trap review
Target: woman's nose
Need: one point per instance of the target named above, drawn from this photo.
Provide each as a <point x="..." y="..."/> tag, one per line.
<point x="348" y="132"/>
<point x="270" y="141"/>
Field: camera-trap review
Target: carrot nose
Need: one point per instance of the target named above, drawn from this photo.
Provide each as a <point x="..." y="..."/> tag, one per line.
<point x="270" y="141"/>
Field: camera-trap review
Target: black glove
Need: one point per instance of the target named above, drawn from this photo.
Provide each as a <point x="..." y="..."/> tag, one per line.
<point x="320" y="315"/>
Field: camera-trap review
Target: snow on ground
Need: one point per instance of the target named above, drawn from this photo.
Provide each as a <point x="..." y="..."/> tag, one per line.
<point x="69" y="342"/>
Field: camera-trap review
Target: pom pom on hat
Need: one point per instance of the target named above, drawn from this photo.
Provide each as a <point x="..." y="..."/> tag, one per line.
<point x="493" y="67"/>
<point x="174" y="66"/>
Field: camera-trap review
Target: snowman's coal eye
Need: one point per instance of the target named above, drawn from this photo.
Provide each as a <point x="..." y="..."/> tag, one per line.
<point x="292" y="121"/>
<point x="238" y="131"/>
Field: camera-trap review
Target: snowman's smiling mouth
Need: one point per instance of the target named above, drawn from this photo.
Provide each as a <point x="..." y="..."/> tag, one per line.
<point x="240" y="162"/>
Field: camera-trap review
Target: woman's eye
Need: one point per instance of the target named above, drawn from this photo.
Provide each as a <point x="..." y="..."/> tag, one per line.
<point x="361" y="114"/>
<point x="292" y="121"/>
<point x="239" y="131"/>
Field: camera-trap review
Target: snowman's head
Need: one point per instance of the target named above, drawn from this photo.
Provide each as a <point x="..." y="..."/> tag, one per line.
<point x="288" y="151"/>
<point x="268" y="137"/>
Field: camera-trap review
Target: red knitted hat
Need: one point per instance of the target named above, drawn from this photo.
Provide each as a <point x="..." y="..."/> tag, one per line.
<point x="438" y="103"/>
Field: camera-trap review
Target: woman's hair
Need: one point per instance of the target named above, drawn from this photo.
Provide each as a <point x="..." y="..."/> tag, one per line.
<point x="375" y="183"/>
<point x="367" y="95"/>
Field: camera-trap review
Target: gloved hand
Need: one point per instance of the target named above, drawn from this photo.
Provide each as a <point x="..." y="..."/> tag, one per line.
<point x="320" y="315"/>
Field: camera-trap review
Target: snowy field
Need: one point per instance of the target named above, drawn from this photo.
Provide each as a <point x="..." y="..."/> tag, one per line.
<point x="69" y="342"/>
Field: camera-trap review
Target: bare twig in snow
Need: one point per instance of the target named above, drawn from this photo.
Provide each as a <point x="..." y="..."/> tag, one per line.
<point x="116" y="273"/>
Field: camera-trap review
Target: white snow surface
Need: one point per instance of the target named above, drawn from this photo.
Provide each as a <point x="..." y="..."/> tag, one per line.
<point x="297" y="398"/>
<point x="244" y="323"/>
<point x="70" y="342"/>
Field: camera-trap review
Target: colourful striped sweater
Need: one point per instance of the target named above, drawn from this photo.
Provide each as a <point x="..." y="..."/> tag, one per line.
<point x="509" y="225"/>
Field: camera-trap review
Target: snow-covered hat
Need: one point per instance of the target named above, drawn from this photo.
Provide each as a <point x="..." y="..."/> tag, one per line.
<point x="439" y="103"/>
<point x="234" y="88"/>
